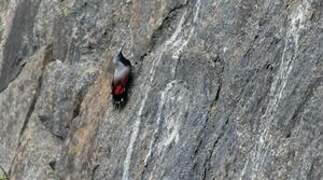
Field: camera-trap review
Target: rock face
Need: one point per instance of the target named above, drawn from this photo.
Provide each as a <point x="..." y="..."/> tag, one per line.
<point x="222" y="89"/>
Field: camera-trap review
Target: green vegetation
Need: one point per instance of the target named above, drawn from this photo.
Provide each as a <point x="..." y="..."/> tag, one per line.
<point x="66" y="11"/>
<point x="3" y="177"/>
<point x="3" y="174"/>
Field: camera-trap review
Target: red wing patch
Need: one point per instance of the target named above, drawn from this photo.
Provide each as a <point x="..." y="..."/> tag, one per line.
<point x="118" y="89"/>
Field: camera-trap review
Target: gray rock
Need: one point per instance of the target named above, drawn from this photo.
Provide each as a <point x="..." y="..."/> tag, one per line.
<point x="222" y="89"/>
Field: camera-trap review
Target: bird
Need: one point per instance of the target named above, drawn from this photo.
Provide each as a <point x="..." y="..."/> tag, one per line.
<point x="121" y="79"/>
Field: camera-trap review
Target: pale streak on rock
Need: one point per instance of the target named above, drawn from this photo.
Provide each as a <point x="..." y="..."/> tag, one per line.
<point x="133" y="137"/>
<point x="277" y="89"/>
<point x="271" y="98"/>
<point x="173" y="126"/>
<point x="181" y="43"/>
<point x="159" y="112"/>
<point x="135" y="129"/>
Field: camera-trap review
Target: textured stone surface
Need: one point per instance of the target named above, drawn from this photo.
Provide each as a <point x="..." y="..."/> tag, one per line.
<point x="222" y="89"/>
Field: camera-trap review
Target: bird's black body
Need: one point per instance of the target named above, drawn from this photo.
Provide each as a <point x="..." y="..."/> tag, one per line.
<point x="123" y="60"/>
<point x="121" y="80"/>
